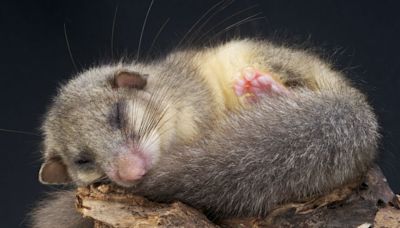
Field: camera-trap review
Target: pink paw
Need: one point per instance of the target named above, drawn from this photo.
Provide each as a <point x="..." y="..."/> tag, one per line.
<point x="253" y="84"/>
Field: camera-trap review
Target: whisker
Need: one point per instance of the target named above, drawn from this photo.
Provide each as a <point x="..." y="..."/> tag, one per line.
<point x="198" y="21"/>
<point x="148" y="144"/>
<point x="226" y="19"/>
<point x="156" y="37"/>
<point x="112" y="31"/>
<point x="143" y="27"/>
<point x="18" y="132"/>
<point x="159" y="126"/>
<point x="223" y="6"/>
<point x="241" y="22"/>
<point x="147" y="120"/>
<point x="161" y="133"/>
<point x="146" y="115"/>
<point x="69" y="48"/>
<point x="154" y="124"/>
<point x="100" y="179"/>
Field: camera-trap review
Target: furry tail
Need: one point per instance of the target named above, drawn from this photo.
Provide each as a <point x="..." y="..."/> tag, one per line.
<point x="58" y="211"/>
<point x="283" y="149"/>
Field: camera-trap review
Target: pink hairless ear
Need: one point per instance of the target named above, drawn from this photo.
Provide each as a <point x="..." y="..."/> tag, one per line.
<point x="129" y="79"/>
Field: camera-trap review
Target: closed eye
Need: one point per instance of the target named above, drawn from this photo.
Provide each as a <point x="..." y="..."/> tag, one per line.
<point x="117" y="115"/>
<point x="83" y="161"/>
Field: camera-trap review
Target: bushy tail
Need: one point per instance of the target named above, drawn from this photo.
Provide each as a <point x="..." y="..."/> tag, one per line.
<point x="285" y="148"/>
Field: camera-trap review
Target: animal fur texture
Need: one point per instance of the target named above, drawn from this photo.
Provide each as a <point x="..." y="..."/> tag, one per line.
<point x="210" y="149"/>
<point x="58" y="210"/>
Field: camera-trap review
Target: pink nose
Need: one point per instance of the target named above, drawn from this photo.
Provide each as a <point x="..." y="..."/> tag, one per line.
<point x="131" y="167"/>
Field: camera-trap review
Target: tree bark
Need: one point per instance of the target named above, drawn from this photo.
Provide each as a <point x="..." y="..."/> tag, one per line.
<point x="370" y="203"/>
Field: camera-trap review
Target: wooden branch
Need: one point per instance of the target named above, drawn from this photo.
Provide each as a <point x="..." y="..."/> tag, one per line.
<point x="115" y="208"/>
<point x="366" y="204"/>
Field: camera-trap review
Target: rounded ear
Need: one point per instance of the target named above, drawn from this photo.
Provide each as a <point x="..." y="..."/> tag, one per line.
<point x="129" y="79"/>
<point x="54" y="171"/>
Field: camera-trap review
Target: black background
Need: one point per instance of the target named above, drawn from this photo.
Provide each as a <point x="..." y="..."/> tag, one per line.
<point x="362" y="37"/>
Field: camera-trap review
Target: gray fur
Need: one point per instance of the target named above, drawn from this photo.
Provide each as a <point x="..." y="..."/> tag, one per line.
<point x="284" y="148"/>
<point x="58" y="210"/>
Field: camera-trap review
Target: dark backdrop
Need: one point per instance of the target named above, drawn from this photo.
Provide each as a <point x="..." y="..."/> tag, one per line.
<point x="362" y="37"/>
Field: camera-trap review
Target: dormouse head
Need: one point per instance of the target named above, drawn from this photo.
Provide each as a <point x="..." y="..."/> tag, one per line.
<point x="109" y="122"/>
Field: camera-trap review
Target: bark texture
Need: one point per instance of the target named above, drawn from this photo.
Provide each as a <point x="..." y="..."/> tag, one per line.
<point x="368" y="203"/>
